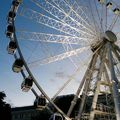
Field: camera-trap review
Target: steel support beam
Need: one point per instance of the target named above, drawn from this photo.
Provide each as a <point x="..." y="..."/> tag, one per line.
<point x="114" y="83"/>
<point x="86" y="85"/>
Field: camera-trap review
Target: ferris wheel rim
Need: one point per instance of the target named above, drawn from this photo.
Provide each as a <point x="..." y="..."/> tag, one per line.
<point x="30" y="73"/>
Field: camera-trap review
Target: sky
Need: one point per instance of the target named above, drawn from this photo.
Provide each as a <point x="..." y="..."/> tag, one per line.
<point x="50" y="76"/>
<point x="9" y="81"/>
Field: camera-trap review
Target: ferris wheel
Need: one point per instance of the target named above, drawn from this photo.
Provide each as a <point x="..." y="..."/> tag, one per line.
<point x="76" y="42"/>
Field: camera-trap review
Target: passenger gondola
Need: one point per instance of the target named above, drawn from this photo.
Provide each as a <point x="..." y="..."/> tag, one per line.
<point x="56" y="116"/>
<point x="40" y="101"/>
<point x="17" y="65"/>
<point x="11" y="48"/>
<point x="16" y="2"/>
<point x="15" y="5"/>
<point x="27" y="84"/>
<point x="109" y="5"/>
<point x="9" y="31"/>
<point x="11" y="16"/>
<point x="116" y="11"/>
<point x="101" y="1"/>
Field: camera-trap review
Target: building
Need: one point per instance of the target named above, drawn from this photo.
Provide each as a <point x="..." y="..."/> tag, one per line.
<point x="25" y="113"/>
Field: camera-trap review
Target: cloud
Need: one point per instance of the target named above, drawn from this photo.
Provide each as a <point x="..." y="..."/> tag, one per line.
<point x="60" y="74"/>
<point x="52" y="80"/>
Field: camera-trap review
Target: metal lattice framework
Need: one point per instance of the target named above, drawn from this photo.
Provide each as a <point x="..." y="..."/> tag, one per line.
<point x="83" y="34"/>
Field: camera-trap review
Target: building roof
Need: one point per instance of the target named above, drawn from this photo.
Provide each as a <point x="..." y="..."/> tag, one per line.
<point x="23" y="108"/>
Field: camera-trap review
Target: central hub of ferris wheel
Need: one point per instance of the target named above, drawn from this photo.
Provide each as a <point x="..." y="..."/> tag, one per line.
<point x="108" y="36"/>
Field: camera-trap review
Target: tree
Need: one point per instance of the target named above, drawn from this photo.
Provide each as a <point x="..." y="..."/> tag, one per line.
<point x="5" y="108"/>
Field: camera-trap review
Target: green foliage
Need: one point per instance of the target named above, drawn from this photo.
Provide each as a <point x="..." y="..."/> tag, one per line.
<point x="5" y="109"/>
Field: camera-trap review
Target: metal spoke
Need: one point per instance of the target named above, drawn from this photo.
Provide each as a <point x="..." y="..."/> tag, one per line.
<point x="69" y="33"/>
<point x="99" y="17"/>
<point x="52" y="38"/>
<point x="61" y="15"/>
<point x="52" y="23"/>
<point x="78" y="13"/>
<point x="113" y="22"/>
<point x="58" y="57"/>
<point x="94" y="21"/>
